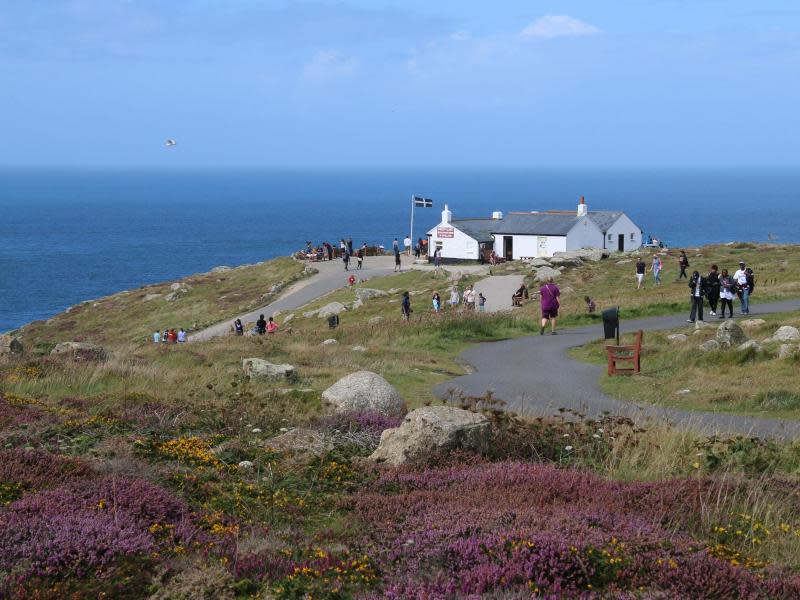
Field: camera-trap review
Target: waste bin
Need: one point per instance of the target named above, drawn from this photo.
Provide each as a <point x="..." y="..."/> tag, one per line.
<point x="611" y="323"/>
<point x="333" y="321"/>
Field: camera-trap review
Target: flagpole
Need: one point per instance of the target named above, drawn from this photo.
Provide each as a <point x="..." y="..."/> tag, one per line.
<point x="411" y="234"/>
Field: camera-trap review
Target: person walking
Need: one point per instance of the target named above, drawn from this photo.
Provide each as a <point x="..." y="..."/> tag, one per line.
<point x="454" y="297"/>
<point x="469" y="298"/>
<point x="640" y="268"/>
<point x="712" y="290"/>
<point x="346" y="259"/>
<point x="342" y="246"/>
<point x="683" y="264"/>
<point x="590" y="305"/>
<point x="437" y="302"/>
<point x="727" y="285"/>
<point x="407" y="245"/>
<point x="405" y="307"/>
<point x="550" y="302"/>
<point x="740" y="276"/>
<point x="395" y="245"/>
<point x="481" y="302"/>
<point x="359" y="258"/>
<point x="397" y="259"/>
<point x="437" y="258"/>
<point x="698" y="286"/>
<point x="329" y="250"/>
<point x="350" y="246"/>
<point x="261" y="325"/>
<point x="655" y="267"/>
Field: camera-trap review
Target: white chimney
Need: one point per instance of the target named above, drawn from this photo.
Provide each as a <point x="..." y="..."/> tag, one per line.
<point x="582" y="208"/>
<point x="497" y="215"/>
<point x="447" y="216"/>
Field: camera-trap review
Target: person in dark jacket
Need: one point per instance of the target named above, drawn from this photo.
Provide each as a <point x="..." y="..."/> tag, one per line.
<point x="712" y="289"/>
<point x="698" y="286"/>
<point x="261" y="325"/>
<point x="238" y="327"/>
<point x="683" y="263"/>
<point x="727" y="290"/>
<point x="405" y="307"/>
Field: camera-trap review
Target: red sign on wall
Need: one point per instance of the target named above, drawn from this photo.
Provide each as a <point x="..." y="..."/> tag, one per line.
<point x="444" y="232"/>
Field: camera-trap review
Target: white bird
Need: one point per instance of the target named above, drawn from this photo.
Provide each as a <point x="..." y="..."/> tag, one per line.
<point x="170" y="143"/>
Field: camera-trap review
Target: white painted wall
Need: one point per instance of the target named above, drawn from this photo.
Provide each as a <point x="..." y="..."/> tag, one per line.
<point x="627" y="227"/>
<point x="585" y="234"/>
<point x="460" y="246"/>
<point x="528" y="245"/>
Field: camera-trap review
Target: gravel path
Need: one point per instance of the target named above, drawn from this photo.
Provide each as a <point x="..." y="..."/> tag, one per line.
<point x="497" y="289"/>
<point x="535" y="377"/>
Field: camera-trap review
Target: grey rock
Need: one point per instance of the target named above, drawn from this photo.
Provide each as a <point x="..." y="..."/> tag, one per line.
<point x="430" y="429"/>
<point x="539" y="262"/>
<point x="730" y="334"/>
<point x="330" y="309"/>
<point x="701" y="324"/>
<point x="376" y="320"/>
<point x="710" y="346"/>
<point x="786" y="351"/>
<point x="329" y="342"/>
<point x="356" y="304"/>
<point x="179" y="286"/>
<point x="544" y="273"/>
<point x="246" y="464"/>
<point x="748" y="345"/>
<point x="221" y="269"/>
<point x="364" y="391"/>
<point x="288" y="318"/>
<point x="677" y="337"/>
<point x="358" y="349"/>
<point x="79" y="350"/>
<point x="369" y="293"/>
<point x="258" y="368"/>
<point x="786" y="333"/>
<point x="310" y="313"/>
<point x="393" y="291"/>
<point x="10" y="344"/>
<point x="149" y="297"/>
<point x="565" y="261"/>
<point x="752" y="323"/>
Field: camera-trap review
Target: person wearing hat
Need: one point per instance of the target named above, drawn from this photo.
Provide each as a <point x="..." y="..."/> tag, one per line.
<point x="740" y="277"/>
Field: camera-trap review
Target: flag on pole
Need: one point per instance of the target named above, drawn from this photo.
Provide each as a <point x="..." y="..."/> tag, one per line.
<point x="423" y="202"/>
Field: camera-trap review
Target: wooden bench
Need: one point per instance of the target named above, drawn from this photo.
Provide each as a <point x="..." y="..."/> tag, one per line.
<point x="630" y="353"/>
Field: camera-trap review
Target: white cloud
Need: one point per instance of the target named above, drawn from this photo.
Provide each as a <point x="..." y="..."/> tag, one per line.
<point x="554" y="26"/>
<point x="327" y="65"/>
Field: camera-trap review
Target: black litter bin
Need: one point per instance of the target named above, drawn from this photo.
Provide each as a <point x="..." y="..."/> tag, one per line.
<point x="333" y="321"/>
<point x="611" y="323"/>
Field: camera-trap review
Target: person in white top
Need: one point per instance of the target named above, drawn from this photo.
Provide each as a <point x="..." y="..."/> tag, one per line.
<point x="454" y="297"/>
<point x="407" y="245"/>
<point x="740" y="277"/>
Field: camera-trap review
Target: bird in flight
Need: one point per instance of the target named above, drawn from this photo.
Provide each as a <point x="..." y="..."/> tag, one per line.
<point x="170" y="143"/>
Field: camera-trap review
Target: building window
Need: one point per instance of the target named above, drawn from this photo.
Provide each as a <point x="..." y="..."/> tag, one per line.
<point x="632" y="236"/>
<point x="610" y="237"/>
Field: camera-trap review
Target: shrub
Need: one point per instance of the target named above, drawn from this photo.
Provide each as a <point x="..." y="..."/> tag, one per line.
<point x="37" y="469"/>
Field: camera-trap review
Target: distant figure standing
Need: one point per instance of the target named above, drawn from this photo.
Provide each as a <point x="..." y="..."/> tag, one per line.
<point x="437" y="258"/>
<point x="469" y="298"/>
<point x="359" y="258"/>
<point x="740" y="276"/>
<point x="727" y="285"/>
<point x="437" y="302"/>
<point x="329" y="250"/>
<point x="272" y="326"/>
<point x="261" y="325"/>
<point x="238" y="328"/>
<point x="157" y="337"/>
<point x="172" y="337"/>
<point x="455" y="298"/>
<point x="683" y="264"/>
<point x="405" y="307"/>
<point x="165" y="337"/>
<point x="590" y="305"/>
<point x="342" y="246"/>
<point x="481" y="302"/>
<point x="698" y="286"/>
<point x="407" y="245"/>
<point x="656" y="269"/>
<point x="397" y="260"/>
<point x="712" y="289"/>
<point x="395" y="245"/>
<point x="640" y="268"/>
<point x="350" y="246"/>
<point x="346" y="259"/>
<point x="550" y="303"/>
<point x="182" y="336"/>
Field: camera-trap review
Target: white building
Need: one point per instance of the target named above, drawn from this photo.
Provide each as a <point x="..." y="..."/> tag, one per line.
<point x="529" y="234"/>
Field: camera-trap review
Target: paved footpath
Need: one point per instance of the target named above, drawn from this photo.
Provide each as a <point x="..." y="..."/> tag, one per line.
<point x="535" y="377"/>
<point x="497" y="289"/>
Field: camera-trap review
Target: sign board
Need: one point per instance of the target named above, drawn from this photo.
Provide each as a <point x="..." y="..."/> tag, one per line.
<point x="445" y="232"/>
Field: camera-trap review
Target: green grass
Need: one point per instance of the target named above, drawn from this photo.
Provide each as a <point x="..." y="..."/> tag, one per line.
<point x="731" y="381"/>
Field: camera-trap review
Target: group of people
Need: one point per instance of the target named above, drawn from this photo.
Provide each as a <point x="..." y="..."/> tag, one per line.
<point x="719" y="287"/>
<point x="470" y="300"/>
<point x="170" y="336"/>
<point x="262" y="326"/>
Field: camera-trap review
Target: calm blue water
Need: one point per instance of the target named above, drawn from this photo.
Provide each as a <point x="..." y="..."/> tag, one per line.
<point x="68" y="236"/>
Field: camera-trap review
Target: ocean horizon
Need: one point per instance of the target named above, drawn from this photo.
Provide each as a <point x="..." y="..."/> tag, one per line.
<point x="69" y="235"/>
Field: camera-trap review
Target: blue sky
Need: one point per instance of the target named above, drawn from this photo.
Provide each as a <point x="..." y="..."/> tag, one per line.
<point x="400" y="83"/>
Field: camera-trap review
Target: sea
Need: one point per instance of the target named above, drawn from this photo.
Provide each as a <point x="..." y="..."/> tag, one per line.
<point x="68" y="235"/>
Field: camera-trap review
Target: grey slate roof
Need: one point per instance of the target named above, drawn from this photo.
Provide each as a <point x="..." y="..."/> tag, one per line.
<point x="535" y="223"/>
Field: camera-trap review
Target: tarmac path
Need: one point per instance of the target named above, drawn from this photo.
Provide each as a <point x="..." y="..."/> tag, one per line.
<point x="535" y="377"/>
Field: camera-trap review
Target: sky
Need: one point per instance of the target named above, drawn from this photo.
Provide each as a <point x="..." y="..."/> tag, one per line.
<point x="399" y="83"/>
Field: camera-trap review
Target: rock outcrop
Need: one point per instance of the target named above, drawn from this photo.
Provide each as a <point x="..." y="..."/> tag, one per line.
<point x="369" y="293"/>
<point x="430" y="429"/>
<point x="10" y="344"/>
<point x="545" y="273"/>
<point x="752" y="323"/>
<point x="329" y="342"/>
<point x="79" y="351"/>
<point x="748" y="345"/>
<point x="258" y="368"/>
<point x="709" y="346"/>
<point x="365" y="391"/>
<point x="376" y="320"/>
<point x="330" y="309"/>
<point x="730" y="334"/>
<point x="677" y="337"/>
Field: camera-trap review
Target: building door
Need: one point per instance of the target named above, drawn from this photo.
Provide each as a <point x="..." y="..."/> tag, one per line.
<point x="508" y="247"/>
<point x="621" y="242"/>
<point x="541" y="246"/>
